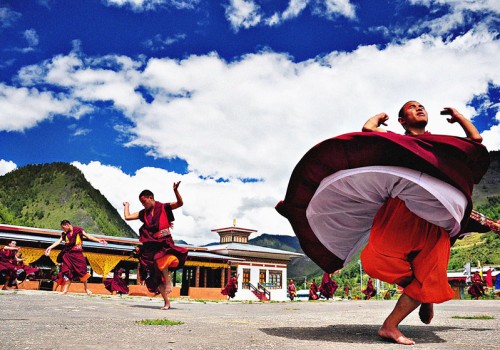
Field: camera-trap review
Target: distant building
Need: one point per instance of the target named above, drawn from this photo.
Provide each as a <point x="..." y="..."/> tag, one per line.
<point x="262" y="272"/>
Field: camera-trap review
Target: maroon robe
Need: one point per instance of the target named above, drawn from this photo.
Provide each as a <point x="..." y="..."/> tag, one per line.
<point x="117" y="283"/>
<point x="313" y="291"/>
<point x="231" y="288"/>
<point x="74" y="264"/>
<point x="7" y="269"/>
<point x="328" y="286"/>
<point x="155" y="245"/>
<point x="454" y="160"/>
<point x="369" y="291"/>
<point x="476" y="290"/>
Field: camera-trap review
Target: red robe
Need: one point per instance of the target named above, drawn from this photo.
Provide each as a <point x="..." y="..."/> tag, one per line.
<point x="117" y="283"/>
<point x="157" y="247"/>
<point x="328" y="286"/>
<point x="7" y="269"/>
<point x="231" y="288"/>
<point x="74" y="264"/>
<point x="455" y="162"/>
<point x="313" y="291"/>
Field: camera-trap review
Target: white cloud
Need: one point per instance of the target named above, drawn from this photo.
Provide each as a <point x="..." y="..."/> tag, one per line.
<point x="6" y="166"/>
<point x="22" y="108"/>
<point x="250" y="13"/>
<point x="158" y="42"/>
<point x="8" y="17"/>
<point x="332" y="8"/>
<point x="243" y="13"/>
<point x="294" y="9"/>
<point x="457" y="15"/>
<point x="147" y="5"/>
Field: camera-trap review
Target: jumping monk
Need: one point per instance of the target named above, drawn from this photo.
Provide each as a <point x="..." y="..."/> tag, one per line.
<point x="73" y="263"/>
<point x="158" y="252"/>
<point x="404" y="195"/>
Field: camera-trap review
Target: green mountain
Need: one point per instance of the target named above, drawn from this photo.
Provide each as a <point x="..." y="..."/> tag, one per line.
<point x="44" y="194"/>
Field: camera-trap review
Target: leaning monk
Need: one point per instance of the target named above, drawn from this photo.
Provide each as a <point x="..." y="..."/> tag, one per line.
<point x="231" y="287"/>
<point x="74" y="264"/>
<point x="158" y="252"/>
<point x="406" y="197"/>
<point x="117" y="283"/>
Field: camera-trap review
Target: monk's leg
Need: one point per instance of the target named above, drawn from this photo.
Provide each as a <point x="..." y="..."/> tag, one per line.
<point x="163" y="289"/>
<point x="389" y="329"/>
<point x="66" y="287"/>
<point x="87" y="290"/>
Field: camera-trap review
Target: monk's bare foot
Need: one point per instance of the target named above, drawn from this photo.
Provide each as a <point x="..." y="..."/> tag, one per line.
<point x="426" y="312"/>
<point x="395" y="335"/>
<point x="166" y="306"/>
<point x="89" y="292"/>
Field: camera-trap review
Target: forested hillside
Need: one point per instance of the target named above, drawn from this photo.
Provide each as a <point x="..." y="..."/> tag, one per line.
<point x="44" y="194"/>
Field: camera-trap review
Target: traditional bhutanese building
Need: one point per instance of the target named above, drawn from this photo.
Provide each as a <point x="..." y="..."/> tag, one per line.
<point x="262" y="271"/>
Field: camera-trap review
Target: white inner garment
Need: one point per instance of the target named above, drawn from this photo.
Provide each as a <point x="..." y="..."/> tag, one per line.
<point x="341" y="211"/>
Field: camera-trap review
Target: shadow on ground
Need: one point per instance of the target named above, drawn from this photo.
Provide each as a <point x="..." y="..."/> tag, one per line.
<point x="365" y="334"/>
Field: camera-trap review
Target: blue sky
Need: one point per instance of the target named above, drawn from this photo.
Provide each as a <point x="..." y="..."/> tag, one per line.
<point x="226" y="96"/>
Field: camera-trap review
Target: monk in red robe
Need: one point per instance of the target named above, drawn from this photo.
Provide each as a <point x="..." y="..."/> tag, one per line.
<point x="313" y="291"/>
<point x="405" y="195"/>
<point x="231" y="287"/>
<point x="74" y="264"/>
<point x="158" y="253"/>
<point x="7" y="266"/>
<point x="370" y="291"/>
<point x="327" y="287"/>
<point x="291" y="290"/>
<point x="476" y="289"/>
<point x="117" y="283"/>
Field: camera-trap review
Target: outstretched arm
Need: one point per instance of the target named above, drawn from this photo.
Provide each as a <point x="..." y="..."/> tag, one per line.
<point x="469" y="128"/>
<point x="126" y="212"/>
<point x="373" y="124"/>
<point x="93" y="239"/>
<point x="179" y="201"/>
<point x="55" y="244"/>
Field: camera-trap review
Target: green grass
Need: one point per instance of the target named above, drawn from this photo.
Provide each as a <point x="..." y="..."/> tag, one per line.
<point x="478" y="317"/>
<point x="160" y="322"/>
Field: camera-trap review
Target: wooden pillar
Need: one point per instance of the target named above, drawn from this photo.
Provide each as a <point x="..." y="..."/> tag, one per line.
<point x="197" y="277"/>
<point x="222" y="277"/>
<point x="138" y="274"/>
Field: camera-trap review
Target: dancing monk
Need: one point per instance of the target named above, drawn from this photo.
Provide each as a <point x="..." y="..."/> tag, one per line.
<point x="74" y="264"/>
<point x="407" y="196"/>
<point x="158" y="253"/>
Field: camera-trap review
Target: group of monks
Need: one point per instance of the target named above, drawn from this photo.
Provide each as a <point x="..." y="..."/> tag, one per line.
<point x="13" y="270"/>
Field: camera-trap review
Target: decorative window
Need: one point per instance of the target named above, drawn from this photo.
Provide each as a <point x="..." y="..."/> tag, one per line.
<point x="275" y="279"/>
<point x="262" y="276"/>
<point x="246" y="279"/>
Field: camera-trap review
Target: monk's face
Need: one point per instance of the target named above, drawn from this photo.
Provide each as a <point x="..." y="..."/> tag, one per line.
<point x="147" y="202"/>
<point x="66" y="227"/>
<point x="414" y="115"/>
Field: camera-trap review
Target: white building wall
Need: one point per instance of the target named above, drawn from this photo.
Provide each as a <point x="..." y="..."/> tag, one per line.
<point x="278" y="294"/>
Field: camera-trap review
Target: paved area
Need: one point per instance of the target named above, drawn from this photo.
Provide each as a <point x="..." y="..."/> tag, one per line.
<point x="46" y="320"/>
